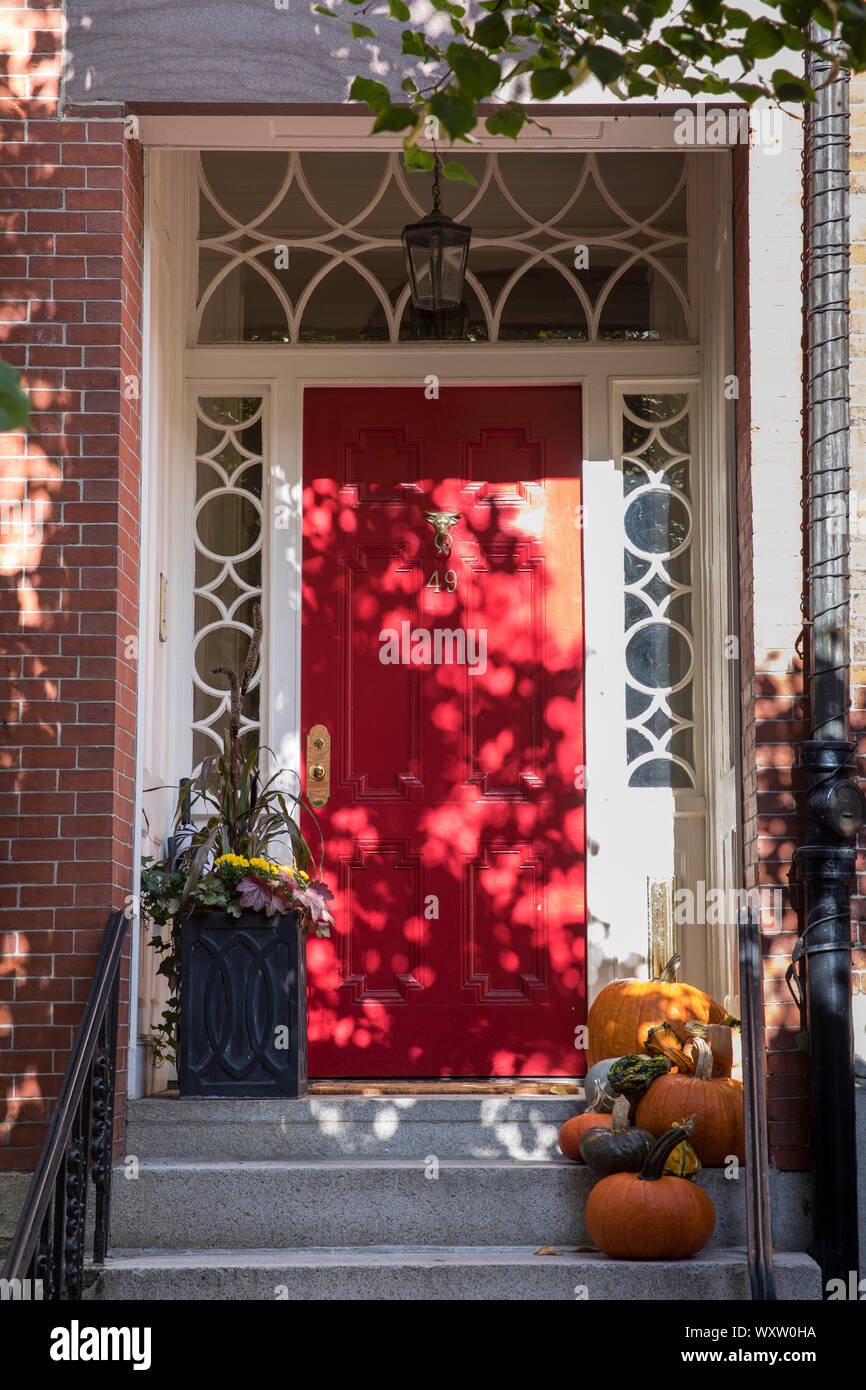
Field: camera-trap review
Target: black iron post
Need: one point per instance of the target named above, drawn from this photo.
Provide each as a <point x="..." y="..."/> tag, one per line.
<point x="759" y="1225"/>
<point x="825" y="864"/>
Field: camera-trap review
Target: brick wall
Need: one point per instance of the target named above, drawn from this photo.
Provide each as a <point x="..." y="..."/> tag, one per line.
<point x="71" y="199"/>
<point x="769" y="463"/>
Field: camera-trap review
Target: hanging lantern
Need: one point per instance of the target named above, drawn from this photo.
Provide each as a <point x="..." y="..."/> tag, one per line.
<point x="437" y="249"/>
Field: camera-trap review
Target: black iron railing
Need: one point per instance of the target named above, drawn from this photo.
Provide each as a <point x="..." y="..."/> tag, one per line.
<point x="46" y="1258"/>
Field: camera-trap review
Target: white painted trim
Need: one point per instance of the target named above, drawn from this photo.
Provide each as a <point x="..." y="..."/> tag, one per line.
<point x="134" y="1065"/>
<point x="359" y="364"/>
<point x="715" y="439"/>
<point x="338" y="132"/>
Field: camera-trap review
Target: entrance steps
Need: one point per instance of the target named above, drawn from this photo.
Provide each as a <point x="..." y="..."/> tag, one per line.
<point x="415" y="1197"/>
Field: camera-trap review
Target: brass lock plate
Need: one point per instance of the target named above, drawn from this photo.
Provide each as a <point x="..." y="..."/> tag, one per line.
<point x="318" y="765"/>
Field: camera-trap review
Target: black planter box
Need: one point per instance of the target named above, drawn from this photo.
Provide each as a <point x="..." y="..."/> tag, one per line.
<point x="243" y="1006"/>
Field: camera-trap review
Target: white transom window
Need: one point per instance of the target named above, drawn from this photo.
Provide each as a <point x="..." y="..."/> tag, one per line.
<point x="305" y="248"/>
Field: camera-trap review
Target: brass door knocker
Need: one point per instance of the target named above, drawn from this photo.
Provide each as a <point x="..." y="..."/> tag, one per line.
<point x="442" y="523"/>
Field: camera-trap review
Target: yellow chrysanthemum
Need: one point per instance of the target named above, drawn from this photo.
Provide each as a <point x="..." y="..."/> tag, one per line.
<point x="235" y="859"/>
<point x="266" y="864"/>
<point x="294" y="871"/>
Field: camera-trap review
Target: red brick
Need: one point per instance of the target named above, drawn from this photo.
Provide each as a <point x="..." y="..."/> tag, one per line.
<point x="74" y="307"/>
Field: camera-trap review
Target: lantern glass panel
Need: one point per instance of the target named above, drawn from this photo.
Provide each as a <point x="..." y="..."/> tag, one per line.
<point x="436" y="251"/>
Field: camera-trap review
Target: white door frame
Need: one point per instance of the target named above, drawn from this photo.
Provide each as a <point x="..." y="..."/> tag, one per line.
<point x="282" y="372"/>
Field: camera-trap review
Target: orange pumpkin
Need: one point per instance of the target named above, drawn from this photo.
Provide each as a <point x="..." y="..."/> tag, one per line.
<point x="573" y="1131"/>
<point x="717" y="1105"/>
<point x="646" y="1215"/>
<point x="625" y="1010"/>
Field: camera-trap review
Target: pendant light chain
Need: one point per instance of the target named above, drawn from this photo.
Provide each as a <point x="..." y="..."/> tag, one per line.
<point x="436" y="167"/>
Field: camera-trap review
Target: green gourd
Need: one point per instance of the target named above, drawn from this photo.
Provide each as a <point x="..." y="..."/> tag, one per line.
<point x="621" y="1148"/>
<point x="632" y="1074"/>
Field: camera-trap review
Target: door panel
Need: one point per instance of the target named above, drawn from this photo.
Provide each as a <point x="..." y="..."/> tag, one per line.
<point x="447" y="666"/>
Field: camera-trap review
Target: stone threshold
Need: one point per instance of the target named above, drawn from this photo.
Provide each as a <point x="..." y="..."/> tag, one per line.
<point x="550" y="1086"/>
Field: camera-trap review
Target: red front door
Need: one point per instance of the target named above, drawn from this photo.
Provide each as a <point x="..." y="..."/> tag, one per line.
<point x="443" y="652"/>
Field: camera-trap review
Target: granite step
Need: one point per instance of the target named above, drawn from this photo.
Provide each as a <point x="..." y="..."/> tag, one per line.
<point x="524" y="1127"/>
<point x="197" y="1203"/>
<point x="446" y="1273"/>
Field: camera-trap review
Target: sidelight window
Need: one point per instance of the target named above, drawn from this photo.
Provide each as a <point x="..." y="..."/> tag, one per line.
<point x="659" y="639"/>
<point x="228" y="536"/>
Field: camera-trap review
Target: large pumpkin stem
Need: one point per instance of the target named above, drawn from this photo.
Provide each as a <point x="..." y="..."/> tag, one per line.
<point x="669" y="974"/>
<point x="654" y="1163"/>
<point x="619" y="1119"/>
<point x="704" y="1063"/>
<point x="695" y="1029"/>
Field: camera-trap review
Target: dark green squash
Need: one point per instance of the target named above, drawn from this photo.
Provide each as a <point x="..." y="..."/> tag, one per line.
<point x="620" y="1149"/>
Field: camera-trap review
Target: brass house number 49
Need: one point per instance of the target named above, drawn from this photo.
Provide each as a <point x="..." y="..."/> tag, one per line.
<point x="450" y="583"/>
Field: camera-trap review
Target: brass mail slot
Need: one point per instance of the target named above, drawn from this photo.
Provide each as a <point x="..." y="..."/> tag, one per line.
<point x="318" y="765"/>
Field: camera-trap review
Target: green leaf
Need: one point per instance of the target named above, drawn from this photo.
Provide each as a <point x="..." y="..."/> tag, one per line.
<point x="323" y="9"/>
<point x="491" y="32"/>
<point x="620" y="26"/>
<point x="361" y="31"/>
<point x="477" y="74"/>
<point x="456" y="112"/>
<point x="761" y="40"/>
<point x="14" y="404"/>
<point x="709" y="11"/>
<point x="416" y="158"/>
<point x="395" y="118"/>
<point x="413" y="43"/>
<point x="604" y="64"/>
<point x="737" y="19"/>
<point x="375" y="94"/>
<point x="399" y="11"/>
<point x="716" y="86"/>
<point x="508" y="120"/>
<point x="548" y="82"/>
<point x="656" y="55"/>
<point x="644" y="12"/>
<point x="452" y="170"/>
<point x="797" y="11"/>
<point x="687" y="41"/>
<point x="748" y="91"/>
<point x="790" y="88"/>
<point x="639" y="86"/>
